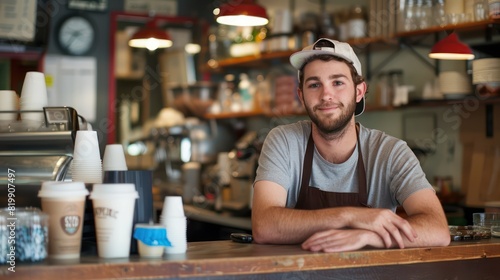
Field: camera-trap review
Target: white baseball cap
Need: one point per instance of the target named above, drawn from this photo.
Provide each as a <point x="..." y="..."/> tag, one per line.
<point x="334" y="48"/>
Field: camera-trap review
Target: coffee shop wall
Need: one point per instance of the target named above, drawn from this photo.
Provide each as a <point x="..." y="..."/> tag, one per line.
<point x="101" y="49"/>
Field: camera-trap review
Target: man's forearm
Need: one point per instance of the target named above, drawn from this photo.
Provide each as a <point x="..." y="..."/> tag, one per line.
<point x="279" y="225"/>
<point x="430" y="231"/>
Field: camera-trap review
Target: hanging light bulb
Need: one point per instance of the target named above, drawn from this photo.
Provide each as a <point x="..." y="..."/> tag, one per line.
<point x="242" y="13"/>
<point x="150" y="37"/>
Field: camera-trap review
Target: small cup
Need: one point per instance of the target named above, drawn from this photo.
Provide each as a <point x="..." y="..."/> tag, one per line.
<point x="86" y="146"/>
<point x="173" y="207"/>
<point x="495" y="231"/>
<point x="10" y="102"/>
<point x="151" y="240"/>
<point x="114" y="158"/>
<point x="33" y="96"/>
<point x="486" y="220"/>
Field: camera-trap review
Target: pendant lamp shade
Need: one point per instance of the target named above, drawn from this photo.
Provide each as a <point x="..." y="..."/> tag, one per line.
<point x="150" y="37"/>
<point x="450" y="48"/>
<point x="242" y="13"/>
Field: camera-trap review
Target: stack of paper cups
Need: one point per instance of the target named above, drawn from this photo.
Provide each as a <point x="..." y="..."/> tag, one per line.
<point x="86" y="165"/>
<point x="174" y="220"/>
<point x="33" y="96"/>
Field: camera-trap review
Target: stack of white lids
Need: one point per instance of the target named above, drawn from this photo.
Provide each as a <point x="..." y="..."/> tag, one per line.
<point x="486" y="70"/>
<point x="454" y="82"/>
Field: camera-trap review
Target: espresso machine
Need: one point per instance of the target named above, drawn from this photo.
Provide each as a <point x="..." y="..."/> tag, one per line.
<point x="37" y="151"/>
<point x="243" y="164"/>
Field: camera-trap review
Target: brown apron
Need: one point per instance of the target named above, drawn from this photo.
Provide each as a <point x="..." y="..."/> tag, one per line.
<point x="311" y="198"/>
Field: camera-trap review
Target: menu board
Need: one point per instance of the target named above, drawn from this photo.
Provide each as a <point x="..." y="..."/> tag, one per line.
<point x="18" y="20"/>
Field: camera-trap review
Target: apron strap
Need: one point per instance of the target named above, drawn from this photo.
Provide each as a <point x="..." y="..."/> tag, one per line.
<point x="307" y="166"/>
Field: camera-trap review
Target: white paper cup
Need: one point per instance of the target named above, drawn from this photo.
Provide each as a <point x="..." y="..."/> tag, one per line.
<point x="113" y="206"/>
<point x="64" y="202"/>
<point x="114" y="158"/>
<point x="86" y="146"/>
<point x="33" y="96"/>
<point x="173" y="207"/>
<point x="34" y="88"/>
<point x="9" y="102"/>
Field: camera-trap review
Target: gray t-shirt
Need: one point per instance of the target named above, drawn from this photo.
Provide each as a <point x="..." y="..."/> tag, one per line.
<point x="393" y="172"/>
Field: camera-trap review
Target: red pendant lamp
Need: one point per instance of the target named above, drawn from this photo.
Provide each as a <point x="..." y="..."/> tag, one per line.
<point x="150" y="37"/>
<point x="242" y="13"/>
<point x="451" y="48"/>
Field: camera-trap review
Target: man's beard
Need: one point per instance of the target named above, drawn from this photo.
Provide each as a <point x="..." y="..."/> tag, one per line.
<point x="332" y="128"/>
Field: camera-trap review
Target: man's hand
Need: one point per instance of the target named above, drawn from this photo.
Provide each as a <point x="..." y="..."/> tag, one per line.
<point x="388" y="225"/>
<point x="341" y="240"/>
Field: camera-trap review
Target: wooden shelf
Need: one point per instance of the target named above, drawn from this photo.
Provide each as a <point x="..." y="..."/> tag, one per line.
<point x="254" y="60"/>
<point x="369" y="108"/>
<point x="461" y="26"/>
<point x="263" y="59"/>
<point x="230" y="115"/>
<point x="436" y="103"/>
<point x="33" y="54"/>
<point x="130" y="77"/>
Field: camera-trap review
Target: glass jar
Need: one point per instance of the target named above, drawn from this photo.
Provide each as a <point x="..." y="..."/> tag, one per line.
<point x="494" y="9"/>
<point x="411" y="16"/>
<point x="343" y="23"/>
<point x="425" y="14"/>
<point x="480" y="10"/>
<point x="357" y="22"/>
<point x="28" y="227"/>
<point x="438" y="13"/>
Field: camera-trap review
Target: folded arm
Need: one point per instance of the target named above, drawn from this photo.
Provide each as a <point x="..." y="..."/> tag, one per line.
<point x="273" y="223"/>
<point x="425" y="216"/>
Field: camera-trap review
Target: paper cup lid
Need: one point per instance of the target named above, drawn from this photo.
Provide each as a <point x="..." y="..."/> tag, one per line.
<point x="62" y="189"/>
<point x="113" y="189"/>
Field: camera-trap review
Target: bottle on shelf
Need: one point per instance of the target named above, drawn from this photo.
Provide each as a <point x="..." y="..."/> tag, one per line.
<point x="357" y="22"/>
<point x="246" y="91"/>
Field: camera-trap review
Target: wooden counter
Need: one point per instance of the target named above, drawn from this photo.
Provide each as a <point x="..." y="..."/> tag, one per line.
<point x="229" y="260"/>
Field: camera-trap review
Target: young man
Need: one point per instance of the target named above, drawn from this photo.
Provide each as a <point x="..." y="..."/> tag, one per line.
<point x="332" y="184"/>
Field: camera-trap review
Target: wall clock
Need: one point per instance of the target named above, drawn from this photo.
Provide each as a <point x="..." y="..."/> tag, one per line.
<point x="76" y="35"/>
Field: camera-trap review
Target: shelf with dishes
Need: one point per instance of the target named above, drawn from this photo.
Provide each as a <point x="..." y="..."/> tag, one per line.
<point x="470" y="99"/>
<point x="264" y="58"/>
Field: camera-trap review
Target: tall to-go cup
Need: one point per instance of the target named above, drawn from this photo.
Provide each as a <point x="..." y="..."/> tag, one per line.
<point x="113" y="206"/>
<point x="64" y="202"/>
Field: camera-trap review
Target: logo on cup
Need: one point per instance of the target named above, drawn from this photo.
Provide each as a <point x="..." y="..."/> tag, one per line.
<point x="102" y="212"/>
<point x="70" y="224"/>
